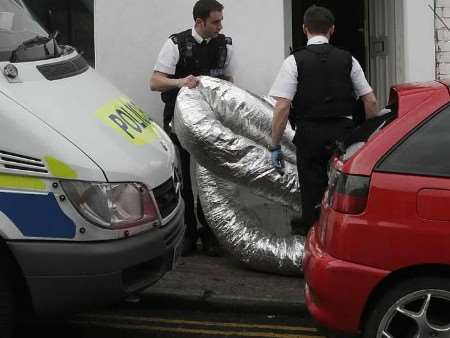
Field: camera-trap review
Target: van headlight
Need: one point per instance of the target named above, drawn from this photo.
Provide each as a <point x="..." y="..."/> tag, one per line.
<point x="112" y="205"/>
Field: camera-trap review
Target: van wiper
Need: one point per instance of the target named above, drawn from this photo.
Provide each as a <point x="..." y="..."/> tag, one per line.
<point x="38" y="40"/>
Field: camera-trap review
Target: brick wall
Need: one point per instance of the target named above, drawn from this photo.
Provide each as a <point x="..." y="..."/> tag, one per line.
<point x="442" y="39"/>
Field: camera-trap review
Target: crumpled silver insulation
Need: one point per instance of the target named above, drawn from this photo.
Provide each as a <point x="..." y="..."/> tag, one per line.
<point x="227" y="130"/>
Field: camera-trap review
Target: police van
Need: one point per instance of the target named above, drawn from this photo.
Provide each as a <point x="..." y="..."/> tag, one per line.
<point x="90" y="206"/>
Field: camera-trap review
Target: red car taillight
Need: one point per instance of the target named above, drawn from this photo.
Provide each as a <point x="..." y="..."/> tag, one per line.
<point x="348" y="193"/>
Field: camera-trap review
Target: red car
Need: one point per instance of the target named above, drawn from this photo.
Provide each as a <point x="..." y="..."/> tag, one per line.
<point x="378" y="261"/>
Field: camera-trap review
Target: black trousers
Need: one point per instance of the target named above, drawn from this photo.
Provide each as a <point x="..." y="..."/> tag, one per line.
<point x="190" y="220"/>
<point x="315" y="142"/>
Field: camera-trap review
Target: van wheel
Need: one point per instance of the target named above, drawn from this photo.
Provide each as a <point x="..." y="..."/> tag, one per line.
<point x="414" y="308"/>
<point x="8" y="306"/>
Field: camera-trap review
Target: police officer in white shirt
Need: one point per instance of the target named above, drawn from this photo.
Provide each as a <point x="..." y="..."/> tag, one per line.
<point x="201" y="50"/>
<point x="317" y="86"/>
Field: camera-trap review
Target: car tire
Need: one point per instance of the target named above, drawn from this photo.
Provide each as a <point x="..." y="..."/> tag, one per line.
<point x="8" y="305"/>
<point x="416" y="307"/>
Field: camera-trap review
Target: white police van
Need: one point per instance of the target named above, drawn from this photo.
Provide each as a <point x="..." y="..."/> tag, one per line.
<point x="90" y="208"/>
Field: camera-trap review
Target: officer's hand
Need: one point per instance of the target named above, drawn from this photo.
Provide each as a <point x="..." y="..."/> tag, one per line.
<point x="189" y="81"/>
<point x="277" y="158"/>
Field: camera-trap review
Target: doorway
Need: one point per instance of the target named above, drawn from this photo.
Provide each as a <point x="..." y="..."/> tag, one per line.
<point x="369" y="29"/>
<point x="350" y="25"/>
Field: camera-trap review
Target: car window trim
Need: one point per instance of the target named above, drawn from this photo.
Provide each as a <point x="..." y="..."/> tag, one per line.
<point x="377" y="167"/>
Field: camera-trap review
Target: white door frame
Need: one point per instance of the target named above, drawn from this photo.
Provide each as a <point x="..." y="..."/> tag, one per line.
<point x="384" y="45"/>
<point x="399" y="31"/>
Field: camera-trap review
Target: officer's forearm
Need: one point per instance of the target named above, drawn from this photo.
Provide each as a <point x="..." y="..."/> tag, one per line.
<point x="280" y="118"/>
<point x="161" y="82"/>
<point x="370" y="105"/>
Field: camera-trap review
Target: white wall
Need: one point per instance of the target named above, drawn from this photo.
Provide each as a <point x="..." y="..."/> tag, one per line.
<point x="129" y="35"/>
<point x="419" y="40"/>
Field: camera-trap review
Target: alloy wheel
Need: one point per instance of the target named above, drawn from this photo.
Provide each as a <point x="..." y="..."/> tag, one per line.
<point x="421" y="314"/>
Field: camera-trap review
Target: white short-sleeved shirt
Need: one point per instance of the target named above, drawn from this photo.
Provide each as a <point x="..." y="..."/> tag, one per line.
<point x="169" y="56"/>
<point x="286" y="82"/>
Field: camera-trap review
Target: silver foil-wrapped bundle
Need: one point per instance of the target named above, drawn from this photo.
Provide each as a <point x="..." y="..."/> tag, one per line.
<point x="227" y="130"/>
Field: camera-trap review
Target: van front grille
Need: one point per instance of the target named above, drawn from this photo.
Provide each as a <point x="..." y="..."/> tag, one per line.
<point x="14" y="161"/>
<point x="166" y="197"/>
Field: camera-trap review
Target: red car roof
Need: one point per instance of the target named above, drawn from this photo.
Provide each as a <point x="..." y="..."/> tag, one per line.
<point x="418" y="101"/>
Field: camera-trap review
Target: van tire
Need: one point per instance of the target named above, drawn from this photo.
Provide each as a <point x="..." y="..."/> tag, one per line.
<point x="409" y="292"/>
<point x="8" y="305"/>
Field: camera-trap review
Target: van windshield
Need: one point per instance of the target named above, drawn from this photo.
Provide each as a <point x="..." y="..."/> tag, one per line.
<point x="21" y="37"/>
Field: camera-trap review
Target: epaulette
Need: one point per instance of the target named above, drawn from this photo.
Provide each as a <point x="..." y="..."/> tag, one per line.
<point x="174" y="38"/>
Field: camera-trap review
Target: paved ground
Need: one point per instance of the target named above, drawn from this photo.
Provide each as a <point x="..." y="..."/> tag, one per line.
<point x="202" y="297"/>
<point x="224" y="282"/>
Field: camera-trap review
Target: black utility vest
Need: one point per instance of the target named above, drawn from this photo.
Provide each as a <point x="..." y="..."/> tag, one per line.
<point x="325" y="88"/>
<point x="196" y="59"/>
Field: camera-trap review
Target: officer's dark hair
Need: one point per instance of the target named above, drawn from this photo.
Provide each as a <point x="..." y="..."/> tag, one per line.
<point x="318" y="19"/>
<point x="203" y="7"/>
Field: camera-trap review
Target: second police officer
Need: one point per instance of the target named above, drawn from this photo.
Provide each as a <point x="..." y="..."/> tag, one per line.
<point x="322" y="83"/>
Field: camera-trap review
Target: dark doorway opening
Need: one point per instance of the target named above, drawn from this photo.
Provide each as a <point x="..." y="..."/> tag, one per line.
<point x="350" y="27"/>
<point x="73" y="19"/>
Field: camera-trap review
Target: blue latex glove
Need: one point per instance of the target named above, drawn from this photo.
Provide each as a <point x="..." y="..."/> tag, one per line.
<point x="277" y="159"/>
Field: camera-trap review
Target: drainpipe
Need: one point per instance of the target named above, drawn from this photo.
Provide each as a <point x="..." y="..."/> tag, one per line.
<point x="436" y="44"/>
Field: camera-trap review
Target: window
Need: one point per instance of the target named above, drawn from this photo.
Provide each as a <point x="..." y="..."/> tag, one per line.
<point x="425" y="152"/>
